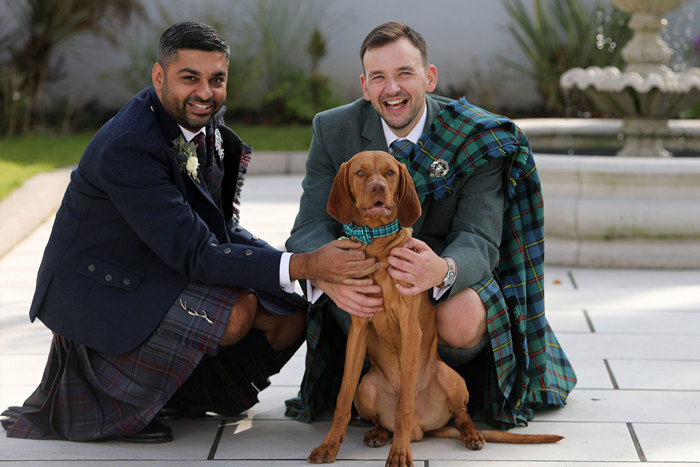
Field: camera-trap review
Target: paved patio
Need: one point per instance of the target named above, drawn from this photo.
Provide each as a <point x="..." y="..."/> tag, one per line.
<point x="633" y="337"/>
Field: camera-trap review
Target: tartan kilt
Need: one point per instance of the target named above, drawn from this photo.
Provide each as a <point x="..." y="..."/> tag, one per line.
<point x="522" y="368"/>
<point x="88" y="395"/>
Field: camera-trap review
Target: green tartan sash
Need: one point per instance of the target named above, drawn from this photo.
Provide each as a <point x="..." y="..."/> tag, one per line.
<point x="460" y="139"/>
<point x="530" y="368"/>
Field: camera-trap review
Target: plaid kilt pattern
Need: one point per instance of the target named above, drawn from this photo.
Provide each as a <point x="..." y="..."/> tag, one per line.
<point x="529" y="366"/>
<point x="88" y="395"/>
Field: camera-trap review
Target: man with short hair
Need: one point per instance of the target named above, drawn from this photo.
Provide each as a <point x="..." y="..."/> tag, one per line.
<point x="477" y="248"/>
<point x="154" y="292"/>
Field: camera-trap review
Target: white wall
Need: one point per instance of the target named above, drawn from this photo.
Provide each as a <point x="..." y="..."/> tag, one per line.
<point x="463" y="36"/>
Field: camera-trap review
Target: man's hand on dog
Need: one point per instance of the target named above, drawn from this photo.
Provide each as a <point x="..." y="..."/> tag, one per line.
<point x="361" y="300"/>
<point x="418" y="265"/>
<point x="340" y="261"/>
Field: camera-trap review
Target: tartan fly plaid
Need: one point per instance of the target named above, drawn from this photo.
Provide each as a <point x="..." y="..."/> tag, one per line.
<point x="528" y="368"/>
<point x="365" y="234"/>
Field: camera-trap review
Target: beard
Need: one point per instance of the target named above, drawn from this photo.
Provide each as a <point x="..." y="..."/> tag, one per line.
<point x="178" y="109"/>
<point x="399" y="124"/>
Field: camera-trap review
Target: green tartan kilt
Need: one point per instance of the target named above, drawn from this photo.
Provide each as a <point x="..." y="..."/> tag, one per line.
<point x="526" y="369"/>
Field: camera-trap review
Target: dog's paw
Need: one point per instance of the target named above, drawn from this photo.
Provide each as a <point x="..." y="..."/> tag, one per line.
<point x="377" y="437"/>
<point x="399" y="458"/>
<point x="322" y="455"/>
<point x="473" y="440"/>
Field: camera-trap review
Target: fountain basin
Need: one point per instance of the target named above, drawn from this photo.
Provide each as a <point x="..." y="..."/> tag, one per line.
<point x="602" y="136"/>
<point x="634" y="95"/>
<point x="621" y="212"/>
<point x="645" y="101"/>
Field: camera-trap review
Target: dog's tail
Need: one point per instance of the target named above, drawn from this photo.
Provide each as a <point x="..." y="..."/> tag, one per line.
<point x="494" y="436"/>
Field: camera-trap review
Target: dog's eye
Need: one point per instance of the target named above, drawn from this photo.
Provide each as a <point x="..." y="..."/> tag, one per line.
<point x="360" y="173"/>
<point x="390" y="172"/>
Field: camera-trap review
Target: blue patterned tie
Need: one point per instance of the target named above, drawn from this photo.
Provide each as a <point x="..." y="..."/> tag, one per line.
<point x="402" y="149"/>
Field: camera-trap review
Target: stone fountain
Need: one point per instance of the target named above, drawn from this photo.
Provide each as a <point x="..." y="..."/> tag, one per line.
<point x="647" y="93"/>
<point x="625" y="212"/>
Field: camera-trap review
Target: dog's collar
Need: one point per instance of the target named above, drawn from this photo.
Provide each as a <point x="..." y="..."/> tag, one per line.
<point x="365" y="234"/>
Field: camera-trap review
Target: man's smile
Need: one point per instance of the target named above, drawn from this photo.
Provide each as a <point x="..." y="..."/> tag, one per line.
<point x="201" y="108"/>
<point x="395" y="103"/>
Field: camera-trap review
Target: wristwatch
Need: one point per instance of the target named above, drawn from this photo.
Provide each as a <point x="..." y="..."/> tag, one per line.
<point x="451" y="274"/>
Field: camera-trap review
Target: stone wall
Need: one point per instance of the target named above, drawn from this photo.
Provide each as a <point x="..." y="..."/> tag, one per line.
<point x="621" y="212"/>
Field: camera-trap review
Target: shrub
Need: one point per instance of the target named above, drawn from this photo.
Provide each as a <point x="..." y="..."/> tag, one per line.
<point x="560" y="35"/>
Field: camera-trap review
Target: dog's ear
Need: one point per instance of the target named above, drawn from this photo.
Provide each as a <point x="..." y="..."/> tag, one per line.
<point x="340" y="203"/>
<point x="408" y="204"/>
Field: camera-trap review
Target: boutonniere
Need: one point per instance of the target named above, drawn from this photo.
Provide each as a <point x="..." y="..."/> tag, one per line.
<point x="186" y="156"/>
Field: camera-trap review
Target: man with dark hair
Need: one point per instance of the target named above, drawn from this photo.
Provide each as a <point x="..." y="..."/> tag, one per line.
<point x="154" y="292"/>
<point x="478" y="247"/>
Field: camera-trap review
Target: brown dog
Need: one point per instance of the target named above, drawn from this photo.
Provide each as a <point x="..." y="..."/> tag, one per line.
<point x="408" y="390"/>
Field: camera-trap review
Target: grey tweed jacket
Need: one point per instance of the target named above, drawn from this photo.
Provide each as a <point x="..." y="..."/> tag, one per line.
<point x="465" y="224"/>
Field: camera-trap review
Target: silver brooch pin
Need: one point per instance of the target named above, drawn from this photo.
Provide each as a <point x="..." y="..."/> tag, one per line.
<point x="219" y="144"/>
<point x="194" y="312"/>
<point x="438" y="168"/>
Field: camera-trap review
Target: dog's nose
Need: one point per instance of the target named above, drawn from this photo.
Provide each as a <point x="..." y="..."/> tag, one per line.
<point x="377" y="186"/>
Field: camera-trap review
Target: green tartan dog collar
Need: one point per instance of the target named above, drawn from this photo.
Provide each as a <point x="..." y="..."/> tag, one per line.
<point x="365" y="234"/>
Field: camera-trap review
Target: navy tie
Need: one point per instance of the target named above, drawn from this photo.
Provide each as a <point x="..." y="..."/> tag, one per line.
<point x="201" y="148"/>
<point x="203" y="156"/>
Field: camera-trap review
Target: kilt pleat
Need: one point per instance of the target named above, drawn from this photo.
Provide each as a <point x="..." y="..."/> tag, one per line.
<point x="87" y="395"/>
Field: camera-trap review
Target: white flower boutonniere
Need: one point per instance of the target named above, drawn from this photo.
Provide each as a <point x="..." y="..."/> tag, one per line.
<point x="186" y="156"/>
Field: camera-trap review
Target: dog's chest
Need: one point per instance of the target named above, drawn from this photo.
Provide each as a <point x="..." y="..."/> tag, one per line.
<point x="397" y="309"/>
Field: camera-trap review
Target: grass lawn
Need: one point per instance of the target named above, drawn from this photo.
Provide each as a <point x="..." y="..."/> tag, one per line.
<point x="24" y="156"/>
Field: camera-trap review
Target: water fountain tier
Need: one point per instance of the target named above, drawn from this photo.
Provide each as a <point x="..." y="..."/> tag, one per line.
<point x="648" y="92"/>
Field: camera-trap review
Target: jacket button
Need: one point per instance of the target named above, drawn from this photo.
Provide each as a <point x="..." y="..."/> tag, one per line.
<point x="227" y="250"/>
<point x="108" y="277"/>
<point x="126" y="281"/>
<point x="248" y="252"/>
<point x="253" y="237"/>
<point x="91" y="268"/>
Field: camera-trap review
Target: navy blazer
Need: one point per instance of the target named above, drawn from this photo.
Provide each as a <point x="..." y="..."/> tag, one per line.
<point x="133" y="230"/>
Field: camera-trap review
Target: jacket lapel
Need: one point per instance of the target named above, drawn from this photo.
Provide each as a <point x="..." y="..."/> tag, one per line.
<point x="372" y="132"/>
<point x="433" y="109"/>
<point x="199" y="199"/>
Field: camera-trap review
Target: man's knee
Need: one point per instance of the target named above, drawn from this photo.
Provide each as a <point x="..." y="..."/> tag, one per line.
<point x="288" y="331"/>
<point x="241" y="318"/>
<point x="461" y="321"/>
